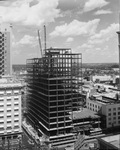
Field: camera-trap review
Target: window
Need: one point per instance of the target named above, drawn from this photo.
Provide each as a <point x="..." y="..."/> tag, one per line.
<point x="9" y="128"/>
<point x="16" y="127"/>
<point x="8" y="104"/>
<point x="114" y="109"/>
<point x="16" y="110"/>
<point x="109" y="109"/>
<point x="9" y="110"/>
<point x="15" y="120"/>
<point x="114" y="113"/>
<point x="118" y="108"/>
<point x="9" y="116"/>
<point x="16" y="104"/>
<point x="114" y="118"/>
<point x="8" y="121"/>
<point x="109" y="114"/>
<point x="118" y="113"/>
<point x="109" y="119"/>
<point x="109" y="123"/>
<point x="118" y="117"/>
<point x="8" y="99"/>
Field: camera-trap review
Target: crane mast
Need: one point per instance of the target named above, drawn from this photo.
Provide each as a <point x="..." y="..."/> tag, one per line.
<point x="40" y="43"/>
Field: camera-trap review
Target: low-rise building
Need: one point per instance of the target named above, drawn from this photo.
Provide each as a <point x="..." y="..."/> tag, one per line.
<point x="107" y="106"/>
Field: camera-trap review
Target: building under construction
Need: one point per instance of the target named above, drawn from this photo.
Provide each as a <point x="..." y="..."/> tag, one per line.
<point x="54" y="93"/>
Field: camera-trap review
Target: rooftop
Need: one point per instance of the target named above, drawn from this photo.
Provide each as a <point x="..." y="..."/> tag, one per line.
<point x="114" y="140"/>
<point x="84" y="113"/>
<point x="9" y="82"/>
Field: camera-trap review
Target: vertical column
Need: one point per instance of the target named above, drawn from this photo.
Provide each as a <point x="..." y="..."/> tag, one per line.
<point x="119" y="56"/>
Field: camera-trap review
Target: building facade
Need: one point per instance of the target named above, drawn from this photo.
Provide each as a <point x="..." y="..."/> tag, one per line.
<point x="5" y="49"/>
<point x="53" y="92"/>
<point x="10" y="109"/>
<point x="108" y="107"/>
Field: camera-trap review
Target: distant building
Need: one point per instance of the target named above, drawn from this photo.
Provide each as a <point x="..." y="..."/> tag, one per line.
<point x="5" y="49"/>
<point x="10" y="109"/>
<point x="101" y="78"/>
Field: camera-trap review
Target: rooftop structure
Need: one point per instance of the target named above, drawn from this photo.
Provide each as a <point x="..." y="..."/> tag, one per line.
<point x="53" y="86"/>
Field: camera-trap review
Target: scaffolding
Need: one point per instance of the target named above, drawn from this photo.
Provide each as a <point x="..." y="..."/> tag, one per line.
<point x="54" y="84"/>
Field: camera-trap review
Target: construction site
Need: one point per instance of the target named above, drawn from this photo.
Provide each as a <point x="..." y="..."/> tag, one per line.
<point x="54" y="82"/>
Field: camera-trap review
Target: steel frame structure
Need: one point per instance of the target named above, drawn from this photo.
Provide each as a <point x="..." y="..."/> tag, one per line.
<point x="53" y="90"/>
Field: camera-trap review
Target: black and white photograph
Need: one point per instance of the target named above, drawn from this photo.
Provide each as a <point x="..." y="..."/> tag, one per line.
<point x="59" y="74"/>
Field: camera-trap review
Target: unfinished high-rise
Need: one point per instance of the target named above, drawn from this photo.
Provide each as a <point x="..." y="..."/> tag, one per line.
<point x="54" y="85"/>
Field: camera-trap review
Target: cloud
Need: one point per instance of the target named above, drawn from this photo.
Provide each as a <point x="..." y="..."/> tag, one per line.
<point x="43" y="11"/>
<point x="102" y="12"/>
<point x="28" y="40"/>
<point x="93" y="4"/>
<point x="104" y="34"/>
<point x="76" y="28"/>
<point x="70" y="39"/>
<point x="86" y="46"/>
<point x="101" y="44"/>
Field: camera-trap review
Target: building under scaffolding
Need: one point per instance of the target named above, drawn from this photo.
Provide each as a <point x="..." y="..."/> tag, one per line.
<point x="53" y="92"/>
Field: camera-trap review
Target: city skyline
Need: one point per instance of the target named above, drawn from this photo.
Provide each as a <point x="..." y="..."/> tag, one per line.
<point x="86" y="26"/>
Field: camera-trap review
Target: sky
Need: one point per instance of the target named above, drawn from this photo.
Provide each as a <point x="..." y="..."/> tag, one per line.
<point x="86" y="26"/>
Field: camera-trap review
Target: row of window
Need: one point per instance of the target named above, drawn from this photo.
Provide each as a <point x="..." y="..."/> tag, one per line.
<point x="15" y="104"/>
<point x="114" y="118"/>
<point x="114" y="109"/>
<point x="114" y="113"/>
<point x="93" y="109"/>
<point x="114" y="122"/>
<point x="9" y="99"/>
<point x="94" y="105"/>
<point x="15" y="121"/>
<point x="9" y="110"/>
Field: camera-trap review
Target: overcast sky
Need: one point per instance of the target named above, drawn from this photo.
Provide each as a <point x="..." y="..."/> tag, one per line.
<point x="86" y="26"/>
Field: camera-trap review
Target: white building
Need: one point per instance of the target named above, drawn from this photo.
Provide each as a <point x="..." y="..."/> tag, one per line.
<point x="10" y="108"/>
<point x="108" y="107"/>
<point x="101" y="78"/>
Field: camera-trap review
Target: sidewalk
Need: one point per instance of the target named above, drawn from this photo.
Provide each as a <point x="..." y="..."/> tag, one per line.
<point x="32" y="133"/>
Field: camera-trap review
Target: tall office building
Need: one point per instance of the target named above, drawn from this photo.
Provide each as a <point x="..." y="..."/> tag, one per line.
<point x="5" y="49"/>
<point x="53" y="93"/>
<point x="10" y="109"/>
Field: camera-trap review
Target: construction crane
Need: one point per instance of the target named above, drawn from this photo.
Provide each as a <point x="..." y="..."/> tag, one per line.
<point x="40" y="43"/>
<point x="45" y="37"/>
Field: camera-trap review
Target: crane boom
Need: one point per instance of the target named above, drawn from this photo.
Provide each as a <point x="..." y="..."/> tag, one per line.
<point x="40" y="42"/>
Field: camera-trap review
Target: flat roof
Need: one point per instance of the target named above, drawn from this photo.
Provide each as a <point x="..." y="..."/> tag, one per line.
<point x="5" y="83"/>
<point x="85" y="113"/>
<point x="113" y="139"/>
